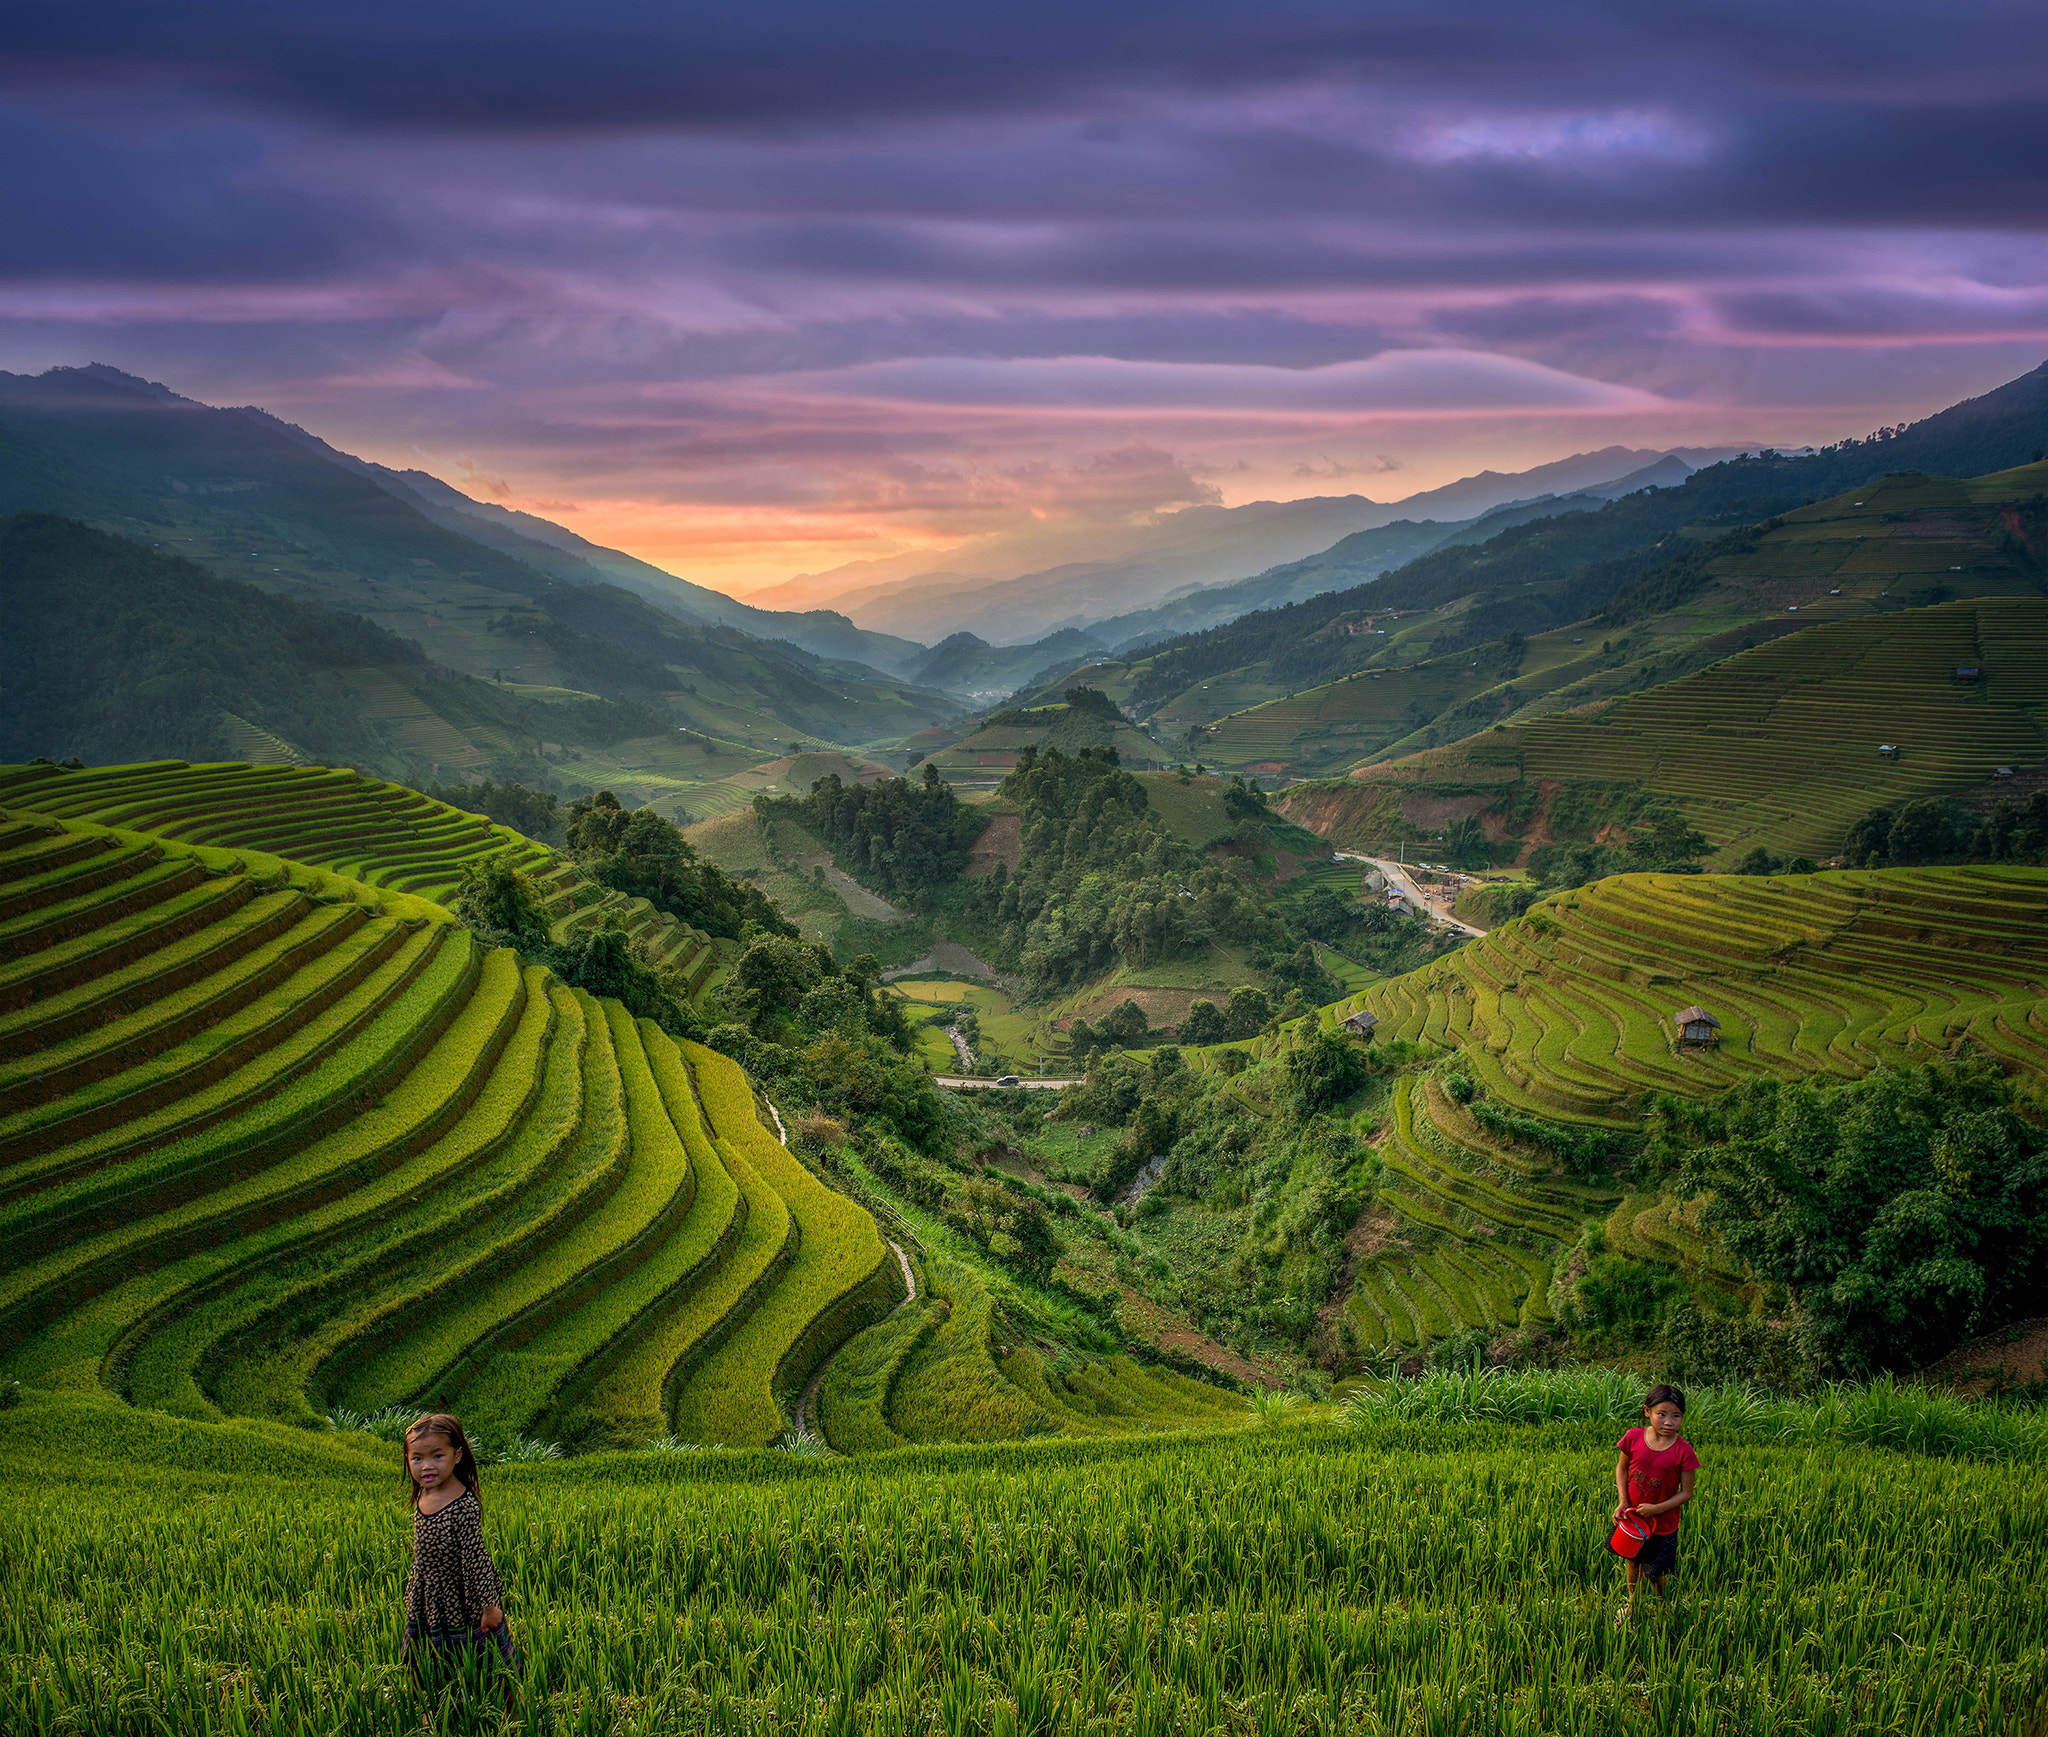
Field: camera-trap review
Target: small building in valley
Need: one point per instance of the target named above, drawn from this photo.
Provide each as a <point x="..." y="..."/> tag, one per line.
<point x="1361" y="1023"/>
<point x="1969" y="672"/>
<point x="1888" y="750"/>
<point x="1696" y="1025"/>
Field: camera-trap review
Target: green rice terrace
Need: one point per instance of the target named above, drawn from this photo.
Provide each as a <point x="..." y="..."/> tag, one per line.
<point x="1560" y="1024"/>
<point x="280" y="1143"/>
<point x="1404" y="680"/>
<point x="268" y="1135"/>
<point x="1783" y="745"/>
<point x="360" y="829"/>
<point x="279" y="1140"/>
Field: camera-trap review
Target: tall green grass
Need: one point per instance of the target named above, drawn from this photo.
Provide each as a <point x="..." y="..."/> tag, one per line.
<point x="1419" y="1578"/>
<point x="1882" y="1413"/>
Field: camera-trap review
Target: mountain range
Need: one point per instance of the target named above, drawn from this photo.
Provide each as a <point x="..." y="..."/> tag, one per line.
<point x="1608" y="596"/>
<point x="993" y="593"/>
<point x="258" y="504"/>
<point x="111" y="449"/>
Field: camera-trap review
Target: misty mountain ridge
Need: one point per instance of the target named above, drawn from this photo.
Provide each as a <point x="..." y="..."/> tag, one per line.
<point x="1176" y="554"/>
<point x="1362" y="556"/>
<point x="1144" y="565"/>
<point x="1529" y="573"/>
<point x="527" y="537"/>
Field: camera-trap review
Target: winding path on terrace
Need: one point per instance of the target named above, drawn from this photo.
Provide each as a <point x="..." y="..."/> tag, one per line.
<point x="806" y="1399"/>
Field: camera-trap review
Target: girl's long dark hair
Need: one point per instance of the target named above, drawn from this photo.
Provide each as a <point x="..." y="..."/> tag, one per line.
<point x="440" y="1423"/>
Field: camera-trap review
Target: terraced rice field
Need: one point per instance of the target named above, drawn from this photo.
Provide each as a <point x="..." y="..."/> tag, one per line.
<point x="273" y="1141"/>
<point x="1351" y="717"/>
<point x="247" y="741"/>
<point x="415" y="727"/>
<point x="1565" y="1015"/>
<point x="363" y="829"/>
<point x="1778" y="745"/>
<point x="937" y="1371"/>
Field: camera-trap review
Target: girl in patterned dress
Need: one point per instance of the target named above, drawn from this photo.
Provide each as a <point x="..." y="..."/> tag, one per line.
<point x="454" y="1605"/>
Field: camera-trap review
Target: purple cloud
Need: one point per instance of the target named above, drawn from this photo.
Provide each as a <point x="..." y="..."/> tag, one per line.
<point x="1395" y="383"/>
<point x="871" y="279"/>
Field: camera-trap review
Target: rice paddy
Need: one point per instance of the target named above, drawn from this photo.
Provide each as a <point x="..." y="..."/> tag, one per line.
<point x="275" y="1141"/>
<point x="1564" y="1017"/>
<point x="361" y="829"/>
<point x="280" y="1143"/>
<point x="1397" y="1576"/>
<point x="1779" y="745"/>
<point x="1007" y="1037"/>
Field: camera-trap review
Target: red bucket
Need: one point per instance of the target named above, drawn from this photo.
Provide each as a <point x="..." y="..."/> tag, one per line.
<point x="1631" y="1533"/>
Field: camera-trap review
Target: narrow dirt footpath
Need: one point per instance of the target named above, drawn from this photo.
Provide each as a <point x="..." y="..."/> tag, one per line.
<point x="805" y="1399"/>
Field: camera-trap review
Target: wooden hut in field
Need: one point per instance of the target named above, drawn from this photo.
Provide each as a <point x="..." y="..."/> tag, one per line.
<point x="1696" y="1025"/>
<point x="1360" y="1024"/>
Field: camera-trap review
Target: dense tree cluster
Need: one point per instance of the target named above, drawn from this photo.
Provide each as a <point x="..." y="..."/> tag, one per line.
<point x="536" y="813"/>
<point x="1103" y="883"/>
<point x="1901" y="1213"/>
<point x="903" y="838"/>
<point x="1932" y="830"/>
<point x="1664" y="841"/>
<point x="1123" y="1026"/>
<point x="1295" y="1177"/>
<point x="503" y="906"/>
<point x="1007" y="1224"/>
<point x="1324" y="1070"/>
<point x="821" y="1037"/>
<point x="641" y="854"/>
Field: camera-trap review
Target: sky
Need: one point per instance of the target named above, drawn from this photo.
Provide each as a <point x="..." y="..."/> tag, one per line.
<point x="757" y="290"/>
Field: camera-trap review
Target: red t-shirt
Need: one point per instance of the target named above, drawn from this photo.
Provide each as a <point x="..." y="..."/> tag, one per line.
<point x="1653" y="1474"/>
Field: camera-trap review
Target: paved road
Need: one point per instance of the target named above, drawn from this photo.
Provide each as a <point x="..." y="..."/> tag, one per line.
<point x="985" y="1085"/>
<point x="1412" y="890"/>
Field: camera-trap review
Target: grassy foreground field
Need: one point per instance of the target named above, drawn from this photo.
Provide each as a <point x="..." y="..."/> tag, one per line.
<point x="1412" y="1577"/>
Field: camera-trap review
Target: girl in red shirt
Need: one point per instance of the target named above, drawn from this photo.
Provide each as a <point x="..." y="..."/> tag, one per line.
<point x="1653" y="1479"/>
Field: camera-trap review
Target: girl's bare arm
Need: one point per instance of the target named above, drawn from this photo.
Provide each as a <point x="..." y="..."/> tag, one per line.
<point x="1620" y="1485"/>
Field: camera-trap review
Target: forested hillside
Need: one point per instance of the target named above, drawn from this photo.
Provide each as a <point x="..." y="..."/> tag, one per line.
<point x="1079" y="716"/>
<point x="114" y="651"/>
<point x="256" y="502"/>
<point x="1094" y="881"/>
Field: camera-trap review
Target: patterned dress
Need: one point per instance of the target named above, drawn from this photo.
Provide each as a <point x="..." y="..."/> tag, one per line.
<point x="453" y="1582"/>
